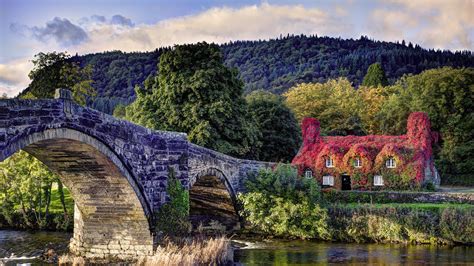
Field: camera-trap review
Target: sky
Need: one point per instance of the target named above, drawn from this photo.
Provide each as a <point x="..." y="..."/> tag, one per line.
<point x="89" y="26"/>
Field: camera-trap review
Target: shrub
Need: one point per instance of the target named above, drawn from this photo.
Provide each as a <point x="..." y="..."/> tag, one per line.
<point x="457" y="225"/>
<point x="282" y="204"/>
<point x="172" y="217"/>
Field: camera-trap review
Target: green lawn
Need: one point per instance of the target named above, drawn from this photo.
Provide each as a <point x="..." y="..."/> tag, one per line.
<point x="56" y="206"/>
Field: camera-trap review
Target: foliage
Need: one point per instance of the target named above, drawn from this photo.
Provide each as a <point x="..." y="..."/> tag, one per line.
<point x="402" y="223"/>
<point x="26" y="188"/>
<point x="280" y="203"/>
<point x="278" y="64"/>
<point x="120" y="111"/>
<point x="280" y="132"/>
<point x="402" y="198"/>
<point x="195" y="93"/>
<point x="273" y="65"/>
<point x="411" y="152"/>
<point x="56" y="70"/>
<point x="447" y="95"/>
<point x="172" y="217"/>
<point x="375" y="76"/>
<point x="333" y="103"/>
<point x="457" y="224"/>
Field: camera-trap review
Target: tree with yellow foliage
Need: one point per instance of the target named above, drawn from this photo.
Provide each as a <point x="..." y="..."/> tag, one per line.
<point x="334" y="103"/>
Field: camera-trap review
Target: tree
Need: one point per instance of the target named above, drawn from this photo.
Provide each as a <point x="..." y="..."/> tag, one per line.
<point x="280" y="132"/>
<point x="46" y="74"/>
<point x="375" y="76"/>
<point x="334" y="103"/>
<point x="173" y="217"/>
<point x="447" y="95"/>
<point x="56" y="70"/>
<point x="195" y="93"/>
<point x="372" y="100"/>
<point x="25" y="182"/>
<point x="120" y="111"/>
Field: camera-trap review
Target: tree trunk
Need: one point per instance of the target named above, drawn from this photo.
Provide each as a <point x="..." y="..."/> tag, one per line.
<point x="47" y="194"/>
<point x="61" y="197"/>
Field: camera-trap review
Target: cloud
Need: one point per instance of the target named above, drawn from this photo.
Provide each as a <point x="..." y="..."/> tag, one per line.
<point x="14" y="76"/>
<point x="62" y="31"/>
<point x="98" y="33"/>
<point x="218" y="25"/>
<point x="431" y="23"/>
<point x="392" y="24"/>
<point x="121" y="20"/>
<point x="97" y="20"/>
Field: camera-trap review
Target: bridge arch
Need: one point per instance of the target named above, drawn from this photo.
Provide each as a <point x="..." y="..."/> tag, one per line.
<point x="111" y="216"/>
<point x="212" y="198"/>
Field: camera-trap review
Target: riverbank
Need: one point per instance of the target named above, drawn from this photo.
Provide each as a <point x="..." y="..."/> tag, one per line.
<point x="434" y="224"/>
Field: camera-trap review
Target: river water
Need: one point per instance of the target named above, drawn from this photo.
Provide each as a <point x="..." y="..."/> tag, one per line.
<point x="21" y="247"/>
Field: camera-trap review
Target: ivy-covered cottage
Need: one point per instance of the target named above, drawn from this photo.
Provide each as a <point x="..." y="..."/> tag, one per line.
<point x="369" y="162"/>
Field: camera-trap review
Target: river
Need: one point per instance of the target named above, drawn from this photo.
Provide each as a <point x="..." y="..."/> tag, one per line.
<point x="23" y="247"/>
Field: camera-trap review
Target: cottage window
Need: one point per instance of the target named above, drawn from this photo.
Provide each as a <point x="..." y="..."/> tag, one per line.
<point x="329" y="162"/>
<point x="357" y="163"/>
<point x="308" y="173"/>
<point x="378" y="180"/>
<point x="390" y="163"/>
<point x="328" y="180"/>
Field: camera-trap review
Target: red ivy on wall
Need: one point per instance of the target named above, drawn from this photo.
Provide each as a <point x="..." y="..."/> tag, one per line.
<point x="412" y="153"/>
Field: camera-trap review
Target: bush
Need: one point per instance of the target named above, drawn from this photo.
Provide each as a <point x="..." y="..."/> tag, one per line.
<point x="457" y="225"/>
<point x="282" y="204"/>
<point x="365" y="223"/>
<point x="172" y="217"/>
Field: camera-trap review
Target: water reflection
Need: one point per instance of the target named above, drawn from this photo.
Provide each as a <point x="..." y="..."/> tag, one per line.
<point x="32" y="244"/>
<point x="310" y="253"/>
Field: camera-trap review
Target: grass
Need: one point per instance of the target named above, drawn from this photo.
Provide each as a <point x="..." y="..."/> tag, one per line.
<point x="422" y="206"/>
<point x="182" y="251"/>
<point x="191" y="251"/>
<point x="56" y="206"/>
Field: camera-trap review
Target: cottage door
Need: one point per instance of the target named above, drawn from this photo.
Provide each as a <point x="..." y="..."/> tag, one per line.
<point x="346" y="182"/>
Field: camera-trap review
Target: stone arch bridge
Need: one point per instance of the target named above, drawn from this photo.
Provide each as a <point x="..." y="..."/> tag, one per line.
<point x="116" y="171"/>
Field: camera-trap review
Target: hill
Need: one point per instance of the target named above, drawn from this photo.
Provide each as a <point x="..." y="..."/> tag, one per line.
<point x="276" y="64"/>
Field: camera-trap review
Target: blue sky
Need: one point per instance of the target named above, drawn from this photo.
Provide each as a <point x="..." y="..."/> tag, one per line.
<point x="29" y="27"/>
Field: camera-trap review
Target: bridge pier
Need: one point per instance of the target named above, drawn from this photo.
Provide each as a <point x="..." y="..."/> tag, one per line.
<point x="98" y="238"/>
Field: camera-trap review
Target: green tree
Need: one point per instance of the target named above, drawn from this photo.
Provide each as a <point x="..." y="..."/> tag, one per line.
<point x="120" y="111"/>
<point x="280" y="132"/>
<point x="195" y="93"/>
<point x="25" y="185"/>
<point x="56" y="70"/>
<point x="172" y="217"/>
<point x="375" y="76"/>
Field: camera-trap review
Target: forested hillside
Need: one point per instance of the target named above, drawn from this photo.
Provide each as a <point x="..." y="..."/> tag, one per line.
<point x="274" y="65"/>
<point x="278" y="64"/>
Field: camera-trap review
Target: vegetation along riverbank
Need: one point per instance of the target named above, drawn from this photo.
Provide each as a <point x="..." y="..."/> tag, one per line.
<point x="280" y="203"/>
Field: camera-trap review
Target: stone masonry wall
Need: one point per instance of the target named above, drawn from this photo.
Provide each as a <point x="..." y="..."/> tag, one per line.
<point x="117" y="171"/>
